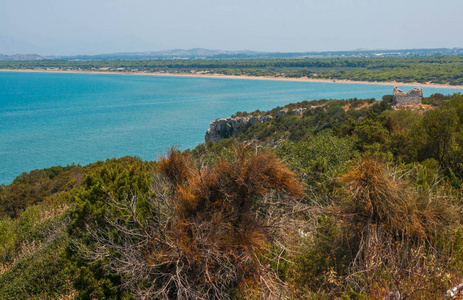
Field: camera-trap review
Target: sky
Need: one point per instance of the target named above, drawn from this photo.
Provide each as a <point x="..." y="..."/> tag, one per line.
<point x="71" y="27"/>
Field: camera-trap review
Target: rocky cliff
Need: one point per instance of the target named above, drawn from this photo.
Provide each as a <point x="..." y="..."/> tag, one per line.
<point x="224" y="128"/>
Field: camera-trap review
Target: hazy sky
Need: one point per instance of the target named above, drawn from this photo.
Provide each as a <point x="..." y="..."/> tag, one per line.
<point x="64" y="27"/>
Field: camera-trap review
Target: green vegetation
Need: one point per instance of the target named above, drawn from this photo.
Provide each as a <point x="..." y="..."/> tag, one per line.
<point x="435" y="69"/>
<point x="350" y="200"/>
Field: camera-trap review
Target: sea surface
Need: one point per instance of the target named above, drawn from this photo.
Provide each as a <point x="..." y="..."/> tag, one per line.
<point x="49" y="119"/>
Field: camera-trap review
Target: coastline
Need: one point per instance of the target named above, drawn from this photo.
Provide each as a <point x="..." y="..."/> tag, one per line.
<point x="202" y="75"/>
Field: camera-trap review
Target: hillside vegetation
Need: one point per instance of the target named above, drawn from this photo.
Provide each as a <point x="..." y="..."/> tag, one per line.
<point x="351" y="200"/>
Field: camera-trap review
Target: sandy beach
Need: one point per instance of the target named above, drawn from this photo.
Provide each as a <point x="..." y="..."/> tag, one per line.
<point x="341" y="81"/>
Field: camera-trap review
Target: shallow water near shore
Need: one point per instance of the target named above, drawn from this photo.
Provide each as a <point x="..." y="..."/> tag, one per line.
<point x="49" y="119"/>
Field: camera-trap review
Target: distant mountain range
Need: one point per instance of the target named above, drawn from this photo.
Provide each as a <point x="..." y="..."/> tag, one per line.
<point x="18" y="57"/>
<point x="199" y="53"/>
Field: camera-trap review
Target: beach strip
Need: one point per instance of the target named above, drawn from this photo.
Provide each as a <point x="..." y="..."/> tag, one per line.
<point x="208" y="75"/>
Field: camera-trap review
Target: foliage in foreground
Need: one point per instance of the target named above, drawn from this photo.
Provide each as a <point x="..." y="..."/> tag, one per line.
<point x="205" y="230"/>
<point x="398" y="231"/>
<point x="29" y="253"/>
<point x="361" y="201"/>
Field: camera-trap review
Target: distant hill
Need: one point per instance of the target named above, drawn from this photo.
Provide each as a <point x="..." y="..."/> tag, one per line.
<point x="18" y="57"/>
<point x="196" y="53"/>
<point x="200" y="53"/>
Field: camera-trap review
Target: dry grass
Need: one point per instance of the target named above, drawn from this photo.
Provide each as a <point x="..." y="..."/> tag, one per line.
<point x="418" y="108"/>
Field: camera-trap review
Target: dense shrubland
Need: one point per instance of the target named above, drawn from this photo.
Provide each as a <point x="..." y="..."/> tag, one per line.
<point x="434" y="69"/>
<point x="352" y="200"/>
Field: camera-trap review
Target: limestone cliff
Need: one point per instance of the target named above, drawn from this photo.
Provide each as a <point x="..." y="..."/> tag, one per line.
<point x="224" y="128"/>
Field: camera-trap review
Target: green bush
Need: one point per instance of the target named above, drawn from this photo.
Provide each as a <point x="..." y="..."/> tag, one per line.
<point x="40" y="276"/>
<point x="8" y="237"/>
<point x="318" y="158"/>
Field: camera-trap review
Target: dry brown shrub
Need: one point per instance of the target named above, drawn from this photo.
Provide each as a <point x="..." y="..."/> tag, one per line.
<point x="396" y="228"/>
<point x="377" y="195"/>
<point x="205" y="232"/>
<point x="175" y="166"/>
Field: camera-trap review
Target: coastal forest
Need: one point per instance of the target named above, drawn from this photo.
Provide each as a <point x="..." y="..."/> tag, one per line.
<point x="420" y="69"/>
<point x="350" y="199"/>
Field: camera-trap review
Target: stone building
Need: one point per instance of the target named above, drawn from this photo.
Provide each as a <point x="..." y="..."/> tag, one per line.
<point x="411" y="97"/>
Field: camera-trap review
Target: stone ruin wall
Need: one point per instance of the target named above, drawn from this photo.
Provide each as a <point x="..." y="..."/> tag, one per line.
<point x="411" y="97"/>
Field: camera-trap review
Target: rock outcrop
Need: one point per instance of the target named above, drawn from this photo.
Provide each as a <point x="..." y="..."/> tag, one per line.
<point x="282" y="112"/>
<point x="299" y="111"/>
<point x="411" y="97"/>
<point x="224" y="128"/>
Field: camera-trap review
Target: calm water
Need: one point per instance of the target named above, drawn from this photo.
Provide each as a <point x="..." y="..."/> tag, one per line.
<point x="57" y="119"/>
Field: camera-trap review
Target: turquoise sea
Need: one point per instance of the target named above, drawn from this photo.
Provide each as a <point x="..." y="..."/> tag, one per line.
<point x="49" y="119"/>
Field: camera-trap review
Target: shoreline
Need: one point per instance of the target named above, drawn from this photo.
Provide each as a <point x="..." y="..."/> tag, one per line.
<point x="201" y="75"/>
